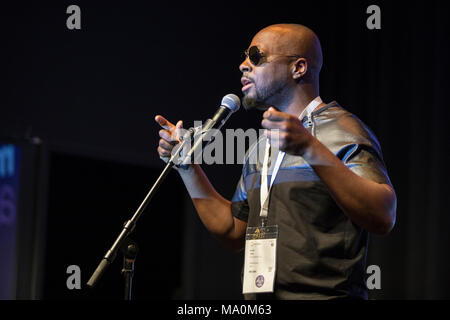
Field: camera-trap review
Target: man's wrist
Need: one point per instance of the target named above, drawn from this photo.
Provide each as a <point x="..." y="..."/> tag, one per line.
<point x="178" y="167"/>
<point x="186" y="170"/>
<point x="309" y="151"/>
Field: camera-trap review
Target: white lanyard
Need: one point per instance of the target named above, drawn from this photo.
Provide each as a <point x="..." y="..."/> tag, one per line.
<point x="264" y="190"/>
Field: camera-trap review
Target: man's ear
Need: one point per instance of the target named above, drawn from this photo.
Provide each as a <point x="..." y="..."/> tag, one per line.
<point x="299" y="68"/>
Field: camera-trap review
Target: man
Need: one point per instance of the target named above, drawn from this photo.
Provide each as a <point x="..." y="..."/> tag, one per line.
<point x="330" y="189"/>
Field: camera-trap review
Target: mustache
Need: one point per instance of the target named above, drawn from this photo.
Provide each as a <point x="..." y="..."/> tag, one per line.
<point x="248" y="77"/>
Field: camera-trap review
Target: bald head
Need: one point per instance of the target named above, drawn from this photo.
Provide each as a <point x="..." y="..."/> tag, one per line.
<point x="294" y="39"/>
<point x="270" y="79"/>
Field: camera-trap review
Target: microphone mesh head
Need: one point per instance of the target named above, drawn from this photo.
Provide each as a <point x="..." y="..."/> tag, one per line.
<point x="231" y="101"/>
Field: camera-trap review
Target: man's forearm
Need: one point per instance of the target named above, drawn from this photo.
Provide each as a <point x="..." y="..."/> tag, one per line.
<point x="212" y="208"/>
<point x="370" y="205"/>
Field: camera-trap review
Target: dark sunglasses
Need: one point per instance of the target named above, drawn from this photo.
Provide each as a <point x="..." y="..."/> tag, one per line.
<point x="256" y="57"/>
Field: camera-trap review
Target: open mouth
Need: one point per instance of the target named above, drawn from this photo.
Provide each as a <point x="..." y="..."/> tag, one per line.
<point x="246" y="83"/>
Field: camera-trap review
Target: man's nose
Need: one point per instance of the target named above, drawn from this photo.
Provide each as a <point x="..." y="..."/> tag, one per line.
<point x="245" y="66"/>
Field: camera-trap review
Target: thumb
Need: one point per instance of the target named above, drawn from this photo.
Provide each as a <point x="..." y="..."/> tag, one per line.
<point x="179" y="131"/>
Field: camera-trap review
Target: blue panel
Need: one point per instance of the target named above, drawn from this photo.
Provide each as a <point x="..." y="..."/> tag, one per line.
<point x="9" y="192"/>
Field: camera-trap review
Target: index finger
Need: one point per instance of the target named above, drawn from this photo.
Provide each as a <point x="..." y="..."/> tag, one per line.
<point x="163" y="122"/>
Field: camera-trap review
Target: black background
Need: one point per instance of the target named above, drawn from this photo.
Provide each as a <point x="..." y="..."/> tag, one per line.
<point x="92" y="95"/>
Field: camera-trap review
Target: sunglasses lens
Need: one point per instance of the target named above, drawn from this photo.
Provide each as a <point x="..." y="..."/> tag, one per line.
<point x="254" y="55"/>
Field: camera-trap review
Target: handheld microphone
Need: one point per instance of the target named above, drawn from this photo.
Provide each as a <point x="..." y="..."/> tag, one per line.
<point x="230" y="104"/>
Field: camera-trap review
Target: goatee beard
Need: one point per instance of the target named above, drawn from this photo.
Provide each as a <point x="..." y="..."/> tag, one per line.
<point x="257" y="102"/>
<point x="253" y="103"/>
<point x="260" y="102"/>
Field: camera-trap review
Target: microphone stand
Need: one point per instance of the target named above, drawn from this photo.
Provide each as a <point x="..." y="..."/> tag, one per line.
<point x="230" y="103"/>
<point x="129" y="250"/>
<point x="131" y="224"/>
<point x="127" y="229"/>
